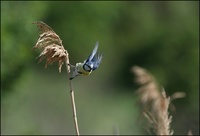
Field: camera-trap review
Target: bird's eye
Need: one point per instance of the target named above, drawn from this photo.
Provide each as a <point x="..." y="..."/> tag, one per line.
<point x="87" y="67"/>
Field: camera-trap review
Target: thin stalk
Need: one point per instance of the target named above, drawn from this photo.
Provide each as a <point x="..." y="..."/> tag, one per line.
<point x="72" y="99"/>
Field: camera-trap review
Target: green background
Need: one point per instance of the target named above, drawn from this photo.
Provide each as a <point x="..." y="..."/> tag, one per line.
<point x="162" y="37"/>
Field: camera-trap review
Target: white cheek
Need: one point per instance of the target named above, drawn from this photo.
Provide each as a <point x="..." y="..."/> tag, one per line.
<point x="87" y="68"/>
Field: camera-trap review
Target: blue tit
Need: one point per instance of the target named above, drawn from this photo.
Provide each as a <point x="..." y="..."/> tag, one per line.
<point x="88" y="65"/>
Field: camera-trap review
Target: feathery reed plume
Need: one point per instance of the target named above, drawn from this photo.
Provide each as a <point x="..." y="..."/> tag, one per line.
<point x="154" y="101"/>
<point x="53" y="50"/>
<point x="51" y="46"/>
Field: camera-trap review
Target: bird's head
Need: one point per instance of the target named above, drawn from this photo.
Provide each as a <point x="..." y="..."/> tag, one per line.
<point x="88" y="66"/>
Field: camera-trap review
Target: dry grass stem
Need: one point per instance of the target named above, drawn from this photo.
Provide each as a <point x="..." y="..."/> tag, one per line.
<point x="53" y="50"/>
<point x="177" y="95"/>
<point x="154" y="101"/>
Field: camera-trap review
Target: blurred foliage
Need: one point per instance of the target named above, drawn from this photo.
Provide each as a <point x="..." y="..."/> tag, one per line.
<point x="16" y="19"/>
<point x="162" y="37"/>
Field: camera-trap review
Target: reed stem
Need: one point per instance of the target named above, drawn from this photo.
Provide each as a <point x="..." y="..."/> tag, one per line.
<point x="72" y="99"/>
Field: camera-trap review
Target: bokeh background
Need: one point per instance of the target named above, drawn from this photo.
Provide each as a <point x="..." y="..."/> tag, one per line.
<point x="162" y="37"/>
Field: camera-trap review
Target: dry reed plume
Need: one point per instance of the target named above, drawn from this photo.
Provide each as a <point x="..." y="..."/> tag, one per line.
<point x="51" y="45"/>
<point x="53" y="50"/>
<point x="154" y="102"/>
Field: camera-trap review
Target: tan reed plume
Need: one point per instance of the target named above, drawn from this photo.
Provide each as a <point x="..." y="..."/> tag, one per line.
<point x="154" y="101"/>
<point x="53" y="50"/>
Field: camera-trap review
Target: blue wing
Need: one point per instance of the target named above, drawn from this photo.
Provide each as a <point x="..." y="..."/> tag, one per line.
<point x="95" y="57"/>
<point x="96" y="60"/>
<point x="92" y="55"/>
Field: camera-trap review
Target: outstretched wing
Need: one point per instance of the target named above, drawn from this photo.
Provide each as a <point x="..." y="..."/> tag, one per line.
<point x="92" y="55"/>
<point x="97" y="60"/>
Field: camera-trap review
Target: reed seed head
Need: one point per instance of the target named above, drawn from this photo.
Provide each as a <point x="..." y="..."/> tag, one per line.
<point x="51" y="46"/>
